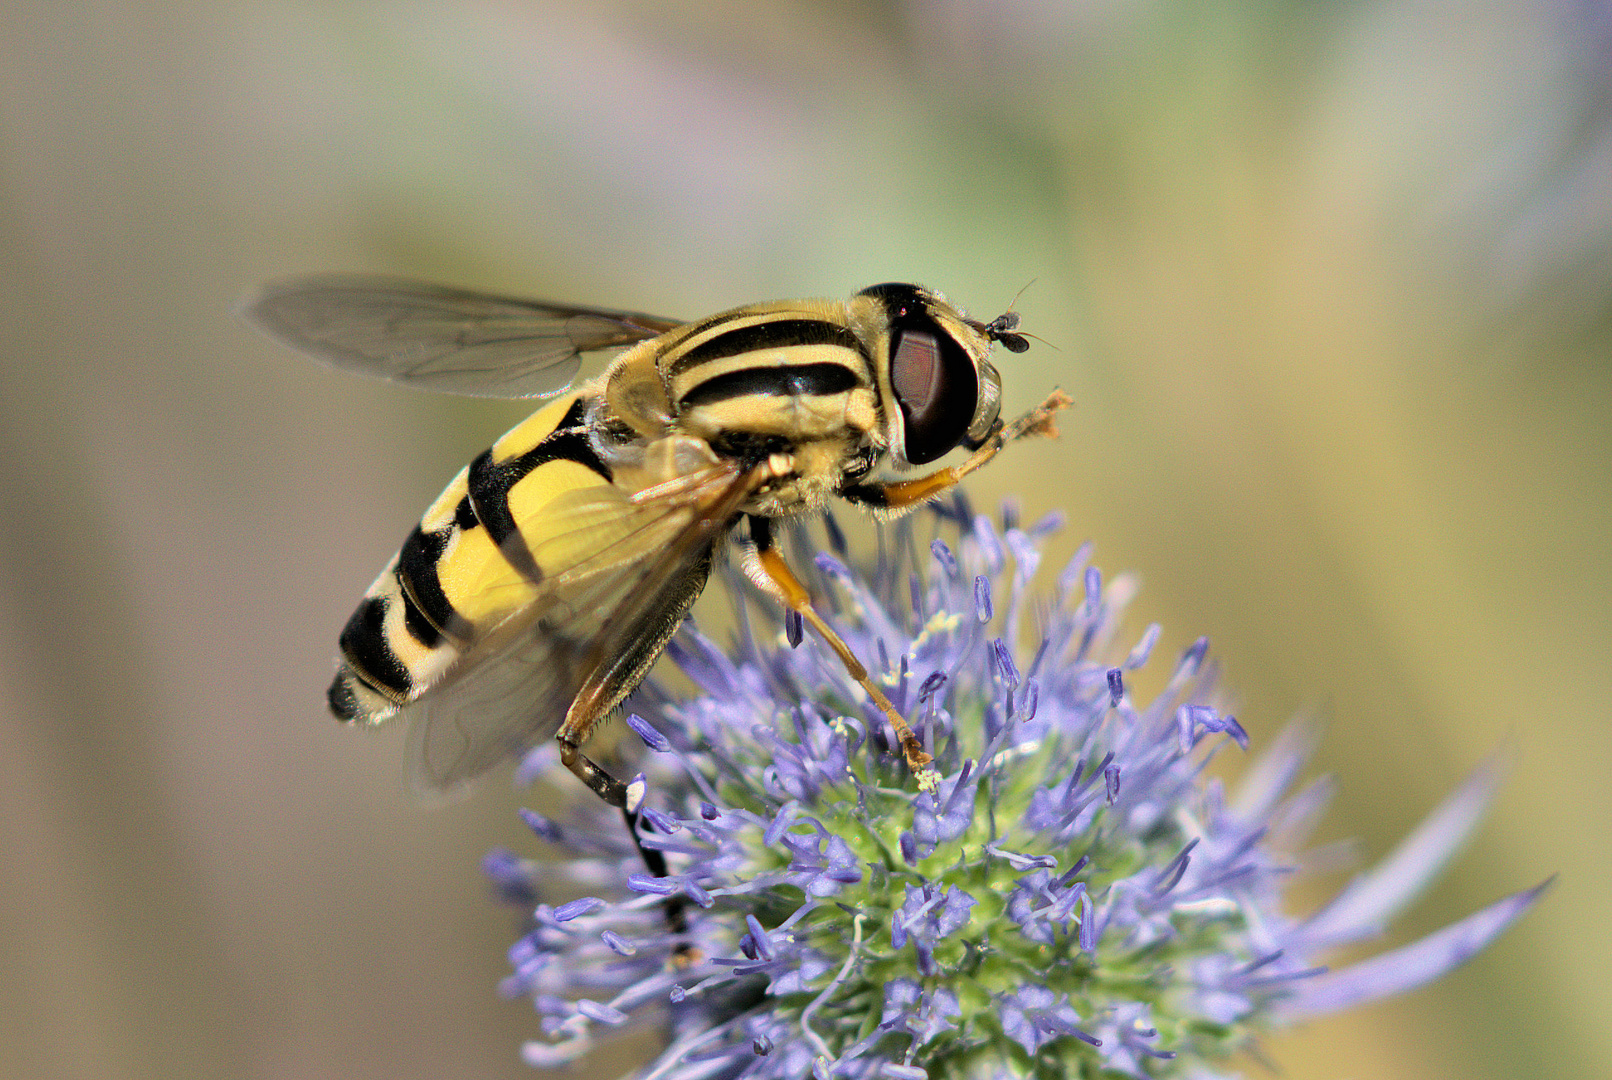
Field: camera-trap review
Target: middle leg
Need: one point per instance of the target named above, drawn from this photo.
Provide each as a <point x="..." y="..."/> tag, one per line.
<point x="765" y="566"/>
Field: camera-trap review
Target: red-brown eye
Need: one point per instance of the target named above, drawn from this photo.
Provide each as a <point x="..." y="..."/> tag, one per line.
<point x="936" y="386"/>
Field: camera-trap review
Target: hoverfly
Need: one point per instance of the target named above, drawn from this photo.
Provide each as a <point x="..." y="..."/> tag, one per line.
<point x="537" y="591"/>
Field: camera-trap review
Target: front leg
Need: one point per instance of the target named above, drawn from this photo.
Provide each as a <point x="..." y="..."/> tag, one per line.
<point x="893" y="498"/>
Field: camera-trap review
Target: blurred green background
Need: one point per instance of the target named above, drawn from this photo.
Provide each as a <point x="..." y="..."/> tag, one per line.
<point x="1330" y="285"/>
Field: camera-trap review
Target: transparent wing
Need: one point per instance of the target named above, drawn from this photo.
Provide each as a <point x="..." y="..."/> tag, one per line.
<point x="438" y="338"/>
<point x="511" y="690"/>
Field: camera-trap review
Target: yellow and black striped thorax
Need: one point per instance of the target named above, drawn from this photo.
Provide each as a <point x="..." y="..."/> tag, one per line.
<point x="470" y="563"/>
<point x="784" y="349"/>
<point x="893" y="368"/>
<point x="762" y="379"/>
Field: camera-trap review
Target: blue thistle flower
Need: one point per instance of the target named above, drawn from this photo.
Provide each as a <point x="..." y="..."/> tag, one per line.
<point x="1073" y="899"/>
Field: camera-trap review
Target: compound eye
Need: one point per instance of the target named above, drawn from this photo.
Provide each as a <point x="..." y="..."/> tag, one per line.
<point x="937" y="388"/>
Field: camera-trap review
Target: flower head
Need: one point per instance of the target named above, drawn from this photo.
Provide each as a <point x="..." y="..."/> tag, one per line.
<point x="1074" y="898"/>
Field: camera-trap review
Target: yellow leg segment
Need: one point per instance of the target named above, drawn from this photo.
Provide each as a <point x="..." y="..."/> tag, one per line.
<point x="797" y="599"/>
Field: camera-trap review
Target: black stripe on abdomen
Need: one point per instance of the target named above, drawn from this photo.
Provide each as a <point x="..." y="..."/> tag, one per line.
<point x="791" y="380"/>
<point x="771" y="334"/>
<point x="422" y="587"/>
<point x="490" y="483"/>
<point x="363" y="643"/>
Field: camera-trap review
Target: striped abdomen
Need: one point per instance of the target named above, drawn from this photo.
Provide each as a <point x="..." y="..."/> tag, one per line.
<point x="466" y="567"/>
